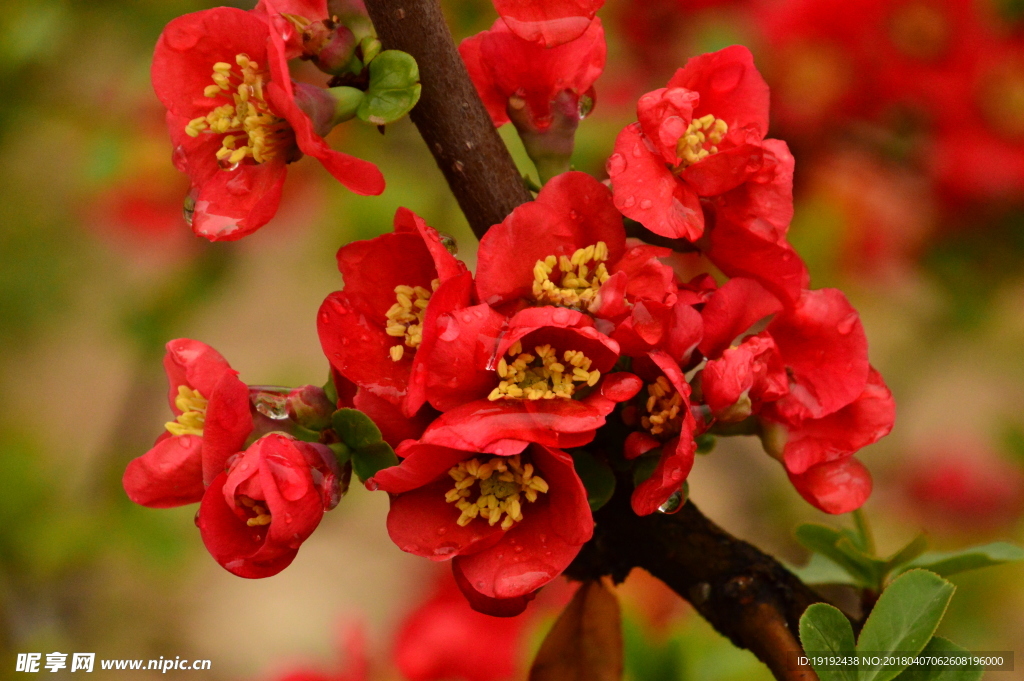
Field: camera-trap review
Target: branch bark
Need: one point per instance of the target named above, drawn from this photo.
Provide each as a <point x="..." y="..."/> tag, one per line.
<point x="450" y="116"/>
<point x="745" y="594"/>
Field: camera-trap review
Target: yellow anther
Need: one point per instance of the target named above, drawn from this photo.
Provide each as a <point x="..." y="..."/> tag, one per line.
<point x="581" y="276"/>
<point x="501" y="483"/>
<point x="690" y="147"/>
<point x="405" y="318"/>
<point x="192" y="406"/>
<point x="541" y="376"/>
<point x="263" y="132"/>
<point x="664" y="406"/>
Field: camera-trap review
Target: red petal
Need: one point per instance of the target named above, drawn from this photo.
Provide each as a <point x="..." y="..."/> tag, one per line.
<point x="732" y="310"/>
<point x="549" y="22"/>
<point x="495" y="607"/>
<point x="235" y="203"/>
<point x="664" y="116"/>
<point x="462" y="345"/>
<point x="648" y="192"/>
<point x="738" y="252"/>
<point x="193" y="364"/>
<point x="190" y="45"/>
<point x="168" y="475"/>
<point x="394" y="425"/>
<point x="724" y="171"/>
<point x="730" y="87"/>
<point x="822" y="343"/>
<point x="835" y="487"/>
<point x="227" y="425"/>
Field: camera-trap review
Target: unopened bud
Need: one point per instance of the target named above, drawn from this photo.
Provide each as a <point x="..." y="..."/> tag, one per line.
<point x="310" y="407"/>
<point x="549" y="141"/>
<point x="774" y="437"/>
<point x="330" y="46"/>
<point x="327" y="107"/>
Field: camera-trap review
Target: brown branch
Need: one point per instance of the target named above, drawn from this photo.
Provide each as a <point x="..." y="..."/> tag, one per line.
<point x="744" y="593"/>
<point x="450" y="116"/>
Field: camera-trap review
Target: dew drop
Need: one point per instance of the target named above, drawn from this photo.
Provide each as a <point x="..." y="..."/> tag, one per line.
<point x="616" y="164"/>
<point x="629" y="201"/>
<point x="451" y="328"/>
<point x="646" y="204"/>
<point x="846" y="324"/>
<point x="196" y="518"/>
<point x="180" y="38"/>
<point x="637" y="151"/>
<point x="673" y="503"/>
<point x="560" y="316"/>
<point x="442" y="531"/>
<point x="727" y="78"/>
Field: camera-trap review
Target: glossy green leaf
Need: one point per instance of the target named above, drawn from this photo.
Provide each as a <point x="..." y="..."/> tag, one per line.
<point x="597" y="478"/>
<point x="824" y="630"/>
<point x="821" y="570"/>
<point x="908" y="553"/>
<point x="355" y="428"/>
<point x="366" y="461"/>
<point x="950" y="563"/>
<point x="394" y="88"/>
<point x="838" y="548"/>
<point x="903" y="620"/>
<point x="927" y="672"/>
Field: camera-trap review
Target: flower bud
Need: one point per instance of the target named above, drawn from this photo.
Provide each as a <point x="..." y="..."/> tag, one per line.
<point x="327" y="108"/>
<point x="309" y="407"/>
<point x="549" y="142"/>
<point x="330" y="46"/>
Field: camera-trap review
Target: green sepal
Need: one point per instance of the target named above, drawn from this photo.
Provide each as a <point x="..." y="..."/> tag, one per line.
<point x="597" y="477"/>
<point x="394" y="88"/>
<point x="356" y="429"/>
<point x="367" y="461"/>
<point x="347" y="101"/>
<point x="341" y="452"/>
<point x="705" y="443"/>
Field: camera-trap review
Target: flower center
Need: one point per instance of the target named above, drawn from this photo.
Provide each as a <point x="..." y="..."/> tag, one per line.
<point x="261" y="516"/>
<point x="503" y="482"/>
<point x="405" y="318"/>
<point x="919" y="30"/>
<point x="690" y="146"/>
<point x="541" y="376"/>
<point x="579" y="278"/>
<point x="247" y="120"/>
<point x="193" y="413"/>
<point x="663" y="409"/>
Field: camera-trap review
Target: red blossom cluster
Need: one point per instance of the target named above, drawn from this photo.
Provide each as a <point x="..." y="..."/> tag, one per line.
<point x="570" y="341"/>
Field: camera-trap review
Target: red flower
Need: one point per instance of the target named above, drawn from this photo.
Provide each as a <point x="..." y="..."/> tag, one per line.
<point x="548" y="22"/>
<point x="211" y="410"/>
<point x="699" y="137"/>
<point x="510" y="524"/>
<point x="235" y="150"/>
<point x="509" y="72"/>
<point x="271" y="497"/>
<point x="662" y="419"/>
<point x="735" y="385"/>
<point x="439" y="640"/>
<point x="372" y="330"/>
<point x="542" y="376"/>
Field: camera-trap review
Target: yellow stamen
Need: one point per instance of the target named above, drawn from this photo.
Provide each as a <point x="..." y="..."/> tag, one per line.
<point x="690" y="147"/>
<point x="500" y="482"/>
<point x="193" y="413"/>
<point x="248" y="112"/>
<point x="580" y="276"/>
<point x="405" y="318"/>
<point x="664" y="409"/>
<point x="262" y="516"/>
<point x="541" y="376"/>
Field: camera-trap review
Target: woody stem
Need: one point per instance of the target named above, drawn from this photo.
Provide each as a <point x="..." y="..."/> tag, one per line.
<point x="450" y="116"/>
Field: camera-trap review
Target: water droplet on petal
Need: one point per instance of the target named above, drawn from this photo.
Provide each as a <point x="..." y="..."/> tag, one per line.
<point x="727" y="78"/>
<point x="180" y="38"/>
<point x="196" y="518"/>
<point x="560" y="316"/>
<point x="188" y="207"/>
<point x="646" y="204"/>
<point x="846" y="324"/>
<point x="673" y="503"/>
<point x="637" y="151"/>
<point x="616" y="164"/>
<point x="629" y="201"/>
<point x="449" y="327"/>
<point x="442" y="531"/>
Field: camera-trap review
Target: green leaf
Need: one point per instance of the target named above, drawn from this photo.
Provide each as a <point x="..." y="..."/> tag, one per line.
<point x="950" y="563"/>
<point x="597" y="477"/>
<point x="903" y="620"/>
<point x="908" y="553"/>
<point x="355" y="428"/>
<point x="394" y="88"/>
<point x="837" y="547"/>
<point x="367" y="461"/>
<point x="821" y="570"/>
<point x="927" y="672"/>
<point x="825" y="630"/>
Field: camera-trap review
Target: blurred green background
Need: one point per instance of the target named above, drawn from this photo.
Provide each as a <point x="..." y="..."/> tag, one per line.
<point x="98" y="270"/>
